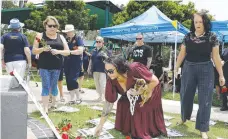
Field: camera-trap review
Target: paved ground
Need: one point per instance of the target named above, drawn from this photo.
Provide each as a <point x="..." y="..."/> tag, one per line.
<point x="90" y="95"/>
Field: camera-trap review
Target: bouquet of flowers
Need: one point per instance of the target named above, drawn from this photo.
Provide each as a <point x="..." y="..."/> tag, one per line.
<point x="224" y="89"/>
<point x="64" y="128"/>
<point x="42" y="42"/>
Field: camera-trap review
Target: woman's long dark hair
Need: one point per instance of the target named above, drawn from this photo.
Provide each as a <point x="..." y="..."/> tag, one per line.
<point x="206" y="22"/>
<point x="119" y="62"/>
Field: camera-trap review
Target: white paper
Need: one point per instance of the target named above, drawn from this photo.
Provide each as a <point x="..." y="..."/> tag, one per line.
<point x="173" y="133"/>
<point x="193" y="119"/>
<point x="90" y="131"/>
<point x="67" y="109"/>
<point x="113" y="117"/>
<point x="167" y="123"/>
<point x="101" y="109"/>
<point x="211" y="123"/>
<point x="226" y="123"/>
<point x="167" y="117"/>
<point x="107" y="126"/>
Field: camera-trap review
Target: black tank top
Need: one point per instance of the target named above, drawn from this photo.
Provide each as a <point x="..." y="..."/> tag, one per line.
<point x="46" y="59"/>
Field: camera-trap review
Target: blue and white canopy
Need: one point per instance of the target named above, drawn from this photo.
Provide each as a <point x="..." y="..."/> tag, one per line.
<point x="155" y="26"/>
<point x="221" y="29"/>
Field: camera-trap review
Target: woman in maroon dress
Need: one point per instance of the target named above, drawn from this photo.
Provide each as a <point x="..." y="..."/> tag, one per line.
<point x="147" y="121"/>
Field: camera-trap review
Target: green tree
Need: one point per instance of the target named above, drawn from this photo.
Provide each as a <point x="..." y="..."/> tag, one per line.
<point x="67" y="12"/>
<point x="8" y="4"/>
<point x="172" y="9"/>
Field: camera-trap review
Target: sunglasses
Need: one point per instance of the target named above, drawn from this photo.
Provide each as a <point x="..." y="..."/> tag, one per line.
<point x="110" y="71"/>
<point x="98" y="41"/>
<point x="138" y="38"/>
<point x="50" y="26"/>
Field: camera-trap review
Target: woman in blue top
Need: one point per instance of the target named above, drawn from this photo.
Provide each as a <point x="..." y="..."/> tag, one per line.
<point x="73" y="63"/>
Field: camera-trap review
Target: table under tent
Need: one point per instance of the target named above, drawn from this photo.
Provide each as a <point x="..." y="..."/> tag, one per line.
<point x="153" y="24"/>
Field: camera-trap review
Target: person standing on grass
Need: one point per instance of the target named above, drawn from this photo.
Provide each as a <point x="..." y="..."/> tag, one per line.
<point x="15" y="50"/>
<point x="73" y="63"/>
<point x="96" y="67"/>
<point x="198" y="48"/>
<point x="51" y="47"/>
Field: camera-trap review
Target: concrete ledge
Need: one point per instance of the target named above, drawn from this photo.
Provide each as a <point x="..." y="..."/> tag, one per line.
<point x="40" y="130"/>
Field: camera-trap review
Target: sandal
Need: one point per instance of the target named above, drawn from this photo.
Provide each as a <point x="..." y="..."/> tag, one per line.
<point x="71" y="103"/>
<point x="204" y="135"/>
<point x="81" y="91"/>
<point x="62" y="99"/>
<point x="79" y="101"/>
<point x="52" y="108"/>
<point x="50" y="99"/>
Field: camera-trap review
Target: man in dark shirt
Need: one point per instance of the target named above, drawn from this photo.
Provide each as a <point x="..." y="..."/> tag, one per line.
<point x="142" y="53"/>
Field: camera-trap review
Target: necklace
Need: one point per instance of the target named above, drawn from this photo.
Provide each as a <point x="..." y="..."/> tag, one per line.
<point x="200" y="35"/>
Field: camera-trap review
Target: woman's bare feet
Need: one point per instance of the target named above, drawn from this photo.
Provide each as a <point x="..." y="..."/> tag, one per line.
<point x="204" y="135"/>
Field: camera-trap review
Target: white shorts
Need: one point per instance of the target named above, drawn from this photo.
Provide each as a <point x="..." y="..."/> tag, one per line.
<point x="20" y="67"/>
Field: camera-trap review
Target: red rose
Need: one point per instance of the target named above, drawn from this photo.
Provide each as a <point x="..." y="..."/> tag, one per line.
<point x="69" y="125"/>
<point x="65" y="136"/>
<point x="38" y="40"/>
<point x="78" y="137"/>
<point x="65" y="128"/>
<point x="11" y="73"/>
<point x="128" y="137"/>
<point x="224" y="89"/>
<point x="75" y="48"/>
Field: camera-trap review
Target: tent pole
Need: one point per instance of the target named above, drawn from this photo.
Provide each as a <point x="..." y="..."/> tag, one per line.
<point x="175" y="57"/>
<point x="223" y="42"/>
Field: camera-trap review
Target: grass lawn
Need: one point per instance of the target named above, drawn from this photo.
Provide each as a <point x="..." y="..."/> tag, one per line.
<point x="169" y="96"/>
<point x="79" y="119"/>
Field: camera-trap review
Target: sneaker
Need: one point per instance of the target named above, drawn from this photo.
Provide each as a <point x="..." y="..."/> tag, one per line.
<point x="224" y="109"/>
<point x="79" y="101"/>
<point x="50" y="99"/>
<point x="71" y="103"/>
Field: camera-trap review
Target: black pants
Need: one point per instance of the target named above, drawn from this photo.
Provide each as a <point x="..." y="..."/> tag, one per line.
<point x="201" y="75"/>
<point x="224" y="100"/>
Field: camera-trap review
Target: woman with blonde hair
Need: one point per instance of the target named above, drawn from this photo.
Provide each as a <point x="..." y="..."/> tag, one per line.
<point x="50" y="46"/>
